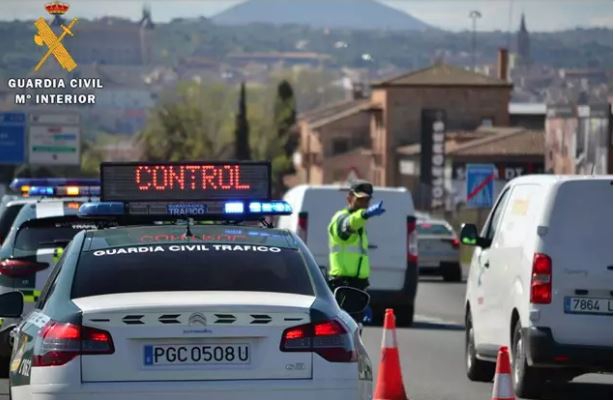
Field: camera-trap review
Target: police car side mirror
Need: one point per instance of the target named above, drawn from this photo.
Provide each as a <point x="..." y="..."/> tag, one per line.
<point x="11" y="305"/>
<point x="469" y="236"/>
<point x="351" y="300"/>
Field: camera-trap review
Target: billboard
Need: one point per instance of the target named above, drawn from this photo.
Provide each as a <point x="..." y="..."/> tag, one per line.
<point x="433" y="127"/>
<point x="54" y="138"/>
<point x="12" y="138"/>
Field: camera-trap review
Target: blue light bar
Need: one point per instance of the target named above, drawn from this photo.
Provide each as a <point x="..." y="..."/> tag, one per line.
<point x="233" y="207"/>
<point x="18" y="183"/>
<point x="200" y="211"/>
<point x="270" y="207"/>
<point x="40" y="191"/>
<point x="110" y="208"/>
<point x="255" y="207"/>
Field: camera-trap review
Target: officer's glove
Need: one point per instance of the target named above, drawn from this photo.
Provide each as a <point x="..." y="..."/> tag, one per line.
<point x="374" y="210"/>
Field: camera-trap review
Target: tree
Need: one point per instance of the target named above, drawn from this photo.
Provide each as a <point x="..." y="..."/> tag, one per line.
<point x="242" y="128"/>
<point x="285" y="113"/>
<point x="285" y="116"/>
<point x="193" y="122"/>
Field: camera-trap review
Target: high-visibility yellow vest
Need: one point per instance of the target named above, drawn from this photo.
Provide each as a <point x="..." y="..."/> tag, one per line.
<point x="348" y="255"/>
<point x="57" y="254"/>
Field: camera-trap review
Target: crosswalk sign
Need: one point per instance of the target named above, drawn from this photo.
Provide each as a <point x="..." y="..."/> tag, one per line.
<point x="480" y="185"/>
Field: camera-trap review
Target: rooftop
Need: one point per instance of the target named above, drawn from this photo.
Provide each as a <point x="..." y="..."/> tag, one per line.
<point x="334" y="112"/>
<point x="490" y="142"/>
<point x="441" y="74"/>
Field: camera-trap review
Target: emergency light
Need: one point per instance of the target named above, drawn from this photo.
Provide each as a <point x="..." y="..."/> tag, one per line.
<point x="185" y="181"/>
<point x="58" y="187"/>
<point x="234" y="190"/>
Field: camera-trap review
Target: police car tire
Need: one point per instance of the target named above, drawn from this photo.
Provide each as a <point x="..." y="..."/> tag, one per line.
<point x="4" y="366"/>
<point x="404" y="316"/>
<point x="451" y="272"/>
<point x="527" y="381"/>
<point x="476" y="370"/>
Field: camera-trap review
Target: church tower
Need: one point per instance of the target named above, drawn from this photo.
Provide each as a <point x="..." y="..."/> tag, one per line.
<point x="523" y="43"/>
<point x="146" y="30"/>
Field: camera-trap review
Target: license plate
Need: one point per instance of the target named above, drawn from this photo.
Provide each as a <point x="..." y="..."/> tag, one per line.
<point x="588" y="305"/>
<point x="196" y="354"/>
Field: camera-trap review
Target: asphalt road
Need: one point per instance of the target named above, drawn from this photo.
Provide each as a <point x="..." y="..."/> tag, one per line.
<point x="432" y="353"/>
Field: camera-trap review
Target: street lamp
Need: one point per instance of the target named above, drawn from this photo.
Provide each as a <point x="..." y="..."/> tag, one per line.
<point x="474" y="15"/>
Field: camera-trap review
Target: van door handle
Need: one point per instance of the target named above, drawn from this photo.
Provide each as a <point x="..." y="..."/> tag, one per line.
<point x="372" y="246"/>
<point x="486" y="264"/>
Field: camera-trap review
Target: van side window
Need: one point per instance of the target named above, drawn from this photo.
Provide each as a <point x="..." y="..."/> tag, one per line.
<point x="493" y="222"/>
<point x="520" y="217"/>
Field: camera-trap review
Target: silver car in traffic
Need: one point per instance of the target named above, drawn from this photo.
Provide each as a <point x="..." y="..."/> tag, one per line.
<point x="438" y="249"/>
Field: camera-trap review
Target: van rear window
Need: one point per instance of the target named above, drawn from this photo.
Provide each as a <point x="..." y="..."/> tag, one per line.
<point x="428" y="228"/>
<point x="191" y="267"/>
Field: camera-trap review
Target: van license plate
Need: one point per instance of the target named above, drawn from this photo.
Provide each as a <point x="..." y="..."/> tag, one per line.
<point x="196" y="354"/>
<point x="588" y="305"/>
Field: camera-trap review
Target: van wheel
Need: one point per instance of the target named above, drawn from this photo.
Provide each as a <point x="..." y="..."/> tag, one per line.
<point x="476" y="370"/>
<point x="527" y="381"/>
<point x="404" y="316"/>
<point x="451" y="272"/>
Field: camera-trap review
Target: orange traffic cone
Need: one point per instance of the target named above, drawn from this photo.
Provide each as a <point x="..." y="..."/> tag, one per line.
<point x="502" y="382"/>
<point x="389" y="384"/>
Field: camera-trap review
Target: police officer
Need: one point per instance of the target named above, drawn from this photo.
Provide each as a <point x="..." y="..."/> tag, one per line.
<point x="348" y="244"/>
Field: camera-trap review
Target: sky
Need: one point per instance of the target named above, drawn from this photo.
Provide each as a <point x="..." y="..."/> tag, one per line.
<point x="453" y="15"/>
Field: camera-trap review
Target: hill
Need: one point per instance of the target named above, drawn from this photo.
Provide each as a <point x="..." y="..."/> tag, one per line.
<point x="347" y="14"/>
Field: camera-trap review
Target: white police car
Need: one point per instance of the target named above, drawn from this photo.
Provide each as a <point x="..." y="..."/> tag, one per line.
<point x="42" y="222"/>
<point x="30" y="190"/>
<point x="182" y="301"/>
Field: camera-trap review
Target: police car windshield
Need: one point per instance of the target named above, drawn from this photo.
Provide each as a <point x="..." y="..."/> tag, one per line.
<point x="161" y="234"/>
<point x="191" y="266"/>
<point x="7" y="218"/>
<point x="47" y="233"/>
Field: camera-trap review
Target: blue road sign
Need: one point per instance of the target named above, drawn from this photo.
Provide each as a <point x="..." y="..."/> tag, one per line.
<point x="480" y="185"/>
<point x="12" y="138"/>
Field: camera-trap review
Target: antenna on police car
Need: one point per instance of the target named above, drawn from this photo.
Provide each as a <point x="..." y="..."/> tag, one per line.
<point x="189" y="222"/>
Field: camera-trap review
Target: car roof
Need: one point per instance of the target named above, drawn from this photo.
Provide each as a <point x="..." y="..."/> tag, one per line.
<point x="305" y="188"/>
<point x="557" y="179"/>
<point x="34" y="200"/>
<point x="154" y="234"/>
<point x="434" y="221"/>
<point x="44" y="209"/>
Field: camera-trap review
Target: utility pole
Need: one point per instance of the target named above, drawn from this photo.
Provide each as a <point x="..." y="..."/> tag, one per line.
<point x="474" y="15"/>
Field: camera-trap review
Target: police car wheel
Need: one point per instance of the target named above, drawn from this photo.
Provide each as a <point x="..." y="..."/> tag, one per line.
<point x="451" y="272"/>
<point x="404" y="316"/>
<point x="4" y="366"/>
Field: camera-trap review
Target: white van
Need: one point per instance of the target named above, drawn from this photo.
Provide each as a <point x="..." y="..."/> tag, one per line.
<point x="392" y="241"/>
<point x="541" y="281"/>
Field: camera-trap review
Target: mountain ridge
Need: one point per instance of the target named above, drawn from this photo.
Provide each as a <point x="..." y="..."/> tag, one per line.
<point x="365" y="14"/>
